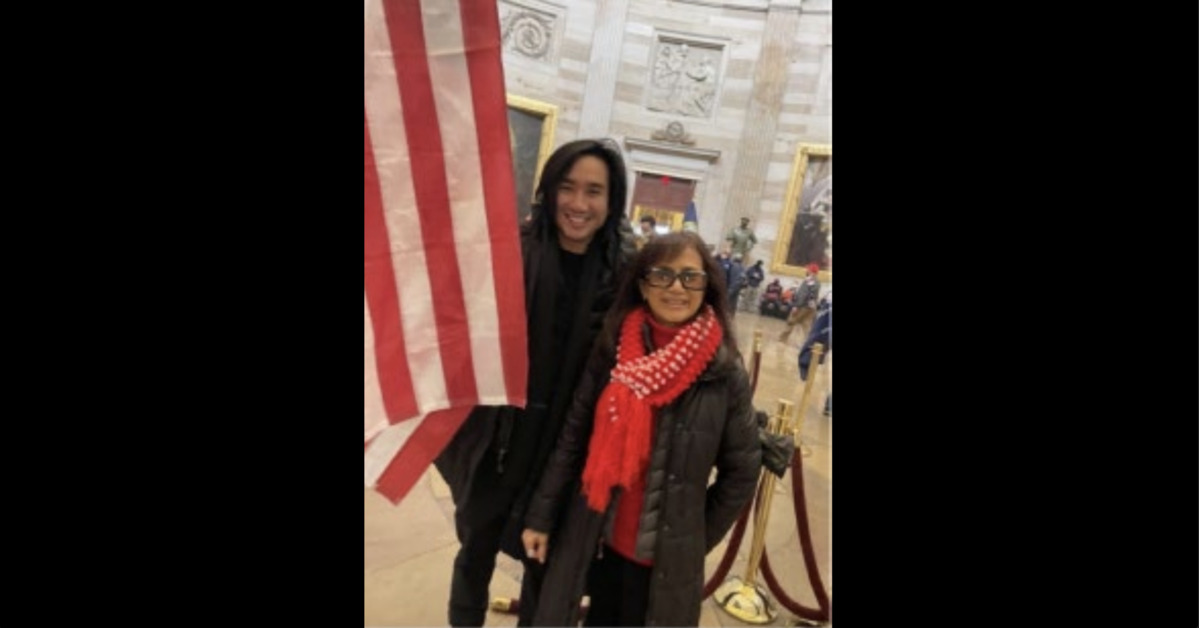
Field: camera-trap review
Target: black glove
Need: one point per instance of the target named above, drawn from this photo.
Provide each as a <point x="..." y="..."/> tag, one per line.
<point x="777" y="449"/>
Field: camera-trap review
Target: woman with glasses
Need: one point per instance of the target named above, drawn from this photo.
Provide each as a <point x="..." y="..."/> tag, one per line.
<point x="624" y="511"/>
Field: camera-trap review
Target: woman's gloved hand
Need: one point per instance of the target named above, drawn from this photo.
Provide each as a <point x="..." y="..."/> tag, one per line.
<point x="777" y="449"/>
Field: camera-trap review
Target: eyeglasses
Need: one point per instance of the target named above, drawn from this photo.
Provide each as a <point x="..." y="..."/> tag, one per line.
<point x="664" y="278"/>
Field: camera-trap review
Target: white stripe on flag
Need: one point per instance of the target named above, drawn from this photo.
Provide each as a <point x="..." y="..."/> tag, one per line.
<point x="372" y="399"/>
<point x="464" y="175"/>
<point x="384" y="111"/>
<point x="386" y="445"/>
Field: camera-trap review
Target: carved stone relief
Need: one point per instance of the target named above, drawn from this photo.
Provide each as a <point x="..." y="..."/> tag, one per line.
<point x="674" y="132"/>
<point x="685" y="79"/>
<point x="528" y="31"/>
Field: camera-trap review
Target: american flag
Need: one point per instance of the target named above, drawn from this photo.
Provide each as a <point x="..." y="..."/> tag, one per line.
<point x="444" y="298"/>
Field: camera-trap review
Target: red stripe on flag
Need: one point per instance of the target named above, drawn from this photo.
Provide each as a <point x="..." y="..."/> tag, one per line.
<point x="391" y="360"/>
<point x="406" y="30"/>
<point x="480" y="27"/>
<point x="418" y="452"/>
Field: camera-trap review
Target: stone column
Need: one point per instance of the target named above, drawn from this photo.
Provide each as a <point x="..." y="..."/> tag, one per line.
<point x="761" y="122"/>
<point x="599" y="93"/>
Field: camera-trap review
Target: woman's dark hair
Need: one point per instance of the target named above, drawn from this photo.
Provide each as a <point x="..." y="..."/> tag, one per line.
<point x="558" y="166"/>
<point x="662" y="249"/>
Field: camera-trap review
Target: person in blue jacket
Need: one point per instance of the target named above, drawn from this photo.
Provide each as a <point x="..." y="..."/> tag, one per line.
<point x="822" y="332"/>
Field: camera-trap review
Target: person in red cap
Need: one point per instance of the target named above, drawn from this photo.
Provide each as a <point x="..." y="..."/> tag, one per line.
<point x="804" y="310"/>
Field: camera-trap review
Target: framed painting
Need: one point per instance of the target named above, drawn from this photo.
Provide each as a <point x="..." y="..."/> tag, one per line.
<point x="806" y="226"/>
<point x="531" y="130"/>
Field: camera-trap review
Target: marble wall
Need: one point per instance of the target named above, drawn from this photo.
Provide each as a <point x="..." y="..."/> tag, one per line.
<point x="718" y="91"/>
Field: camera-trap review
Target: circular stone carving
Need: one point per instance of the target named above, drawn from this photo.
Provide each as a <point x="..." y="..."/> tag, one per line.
<point x="529" y="34"/>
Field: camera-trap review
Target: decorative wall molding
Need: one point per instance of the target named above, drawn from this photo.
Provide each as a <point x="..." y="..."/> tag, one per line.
<point x="699" y="157"/>
<point x="744" y="5"/>
<point x="674" y="132"/>
<point x="532" y="28"/>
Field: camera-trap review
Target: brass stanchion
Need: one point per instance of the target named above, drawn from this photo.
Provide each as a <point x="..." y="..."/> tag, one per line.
<point x="755" y="361"/>
<point x="806" y="616"/>
<point x="743" y="598"/>
<point x="817" y="350"/>
<point x="730" y="550"/>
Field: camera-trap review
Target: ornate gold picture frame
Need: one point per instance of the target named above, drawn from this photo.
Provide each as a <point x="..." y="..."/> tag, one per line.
<point x="531" y="125"/>
<point x="806" y="228"/>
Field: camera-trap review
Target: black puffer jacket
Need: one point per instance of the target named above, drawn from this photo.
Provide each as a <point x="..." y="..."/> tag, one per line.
<point x="489" y="426"/>
<point x="710" y="425"/>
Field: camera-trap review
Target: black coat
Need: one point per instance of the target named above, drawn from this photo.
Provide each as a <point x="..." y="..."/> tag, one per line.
<point x="493" y="426"/>
<point x="709" y="425"/>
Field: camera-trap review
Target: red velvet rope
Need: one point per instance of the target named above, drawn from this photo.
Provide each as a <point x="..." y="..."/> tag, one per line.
<point x="757" y="366"/>
<point x="823" y="613"/>
<point x="730" y="552"/>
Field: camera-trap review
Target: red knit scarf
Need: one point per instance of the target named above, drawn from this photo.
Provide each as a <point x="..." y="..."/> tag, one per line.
<point x="620" y="443"/>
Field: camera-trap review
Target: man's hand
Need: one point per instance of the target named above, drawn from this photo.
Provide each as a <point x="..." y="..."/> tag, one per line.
<point x="536" y="544"/>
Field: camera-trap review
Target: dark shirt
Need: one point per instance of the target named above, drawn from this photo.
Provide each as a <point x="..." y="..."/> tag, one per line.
<point x="544" y="376"/>
<point x="535" y="431"/>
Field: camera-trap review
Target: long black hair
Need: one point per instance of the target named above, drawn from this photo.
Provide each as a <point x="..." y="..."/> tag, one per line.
<point x="657" y="250"/>
<point x="545" y="203"/>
